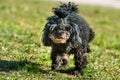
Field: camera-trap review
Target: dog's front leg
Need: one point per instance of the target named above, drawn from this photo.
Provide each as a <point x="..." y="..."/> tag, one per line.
<point x="56" y="60"/>
<point x="80" y="63"/>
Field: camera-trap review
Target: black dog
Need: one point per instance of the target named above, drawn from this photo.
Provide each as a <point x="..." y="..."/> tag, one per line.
<point x="68" y="33"/>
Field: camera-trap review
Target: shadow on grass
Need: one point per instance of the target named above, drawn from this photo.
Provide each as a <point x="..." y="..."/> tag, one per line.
<point x="7" y="66"/>
<point x="67" y="71"/>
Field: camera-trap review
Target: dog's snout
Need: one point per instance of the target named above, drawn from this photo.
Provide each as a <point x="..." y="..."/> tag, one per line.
<point x="60" y="32"/>
<point x="59" y="35"/>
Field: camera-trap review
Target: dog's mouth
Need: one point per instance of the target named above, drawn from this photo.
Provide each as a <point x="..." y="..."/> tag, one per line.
<point x="62" y="39"/>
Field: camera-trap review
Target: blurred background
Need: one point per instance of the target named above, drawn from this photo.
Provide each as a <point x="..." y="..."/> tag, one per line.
<point x="23" y="56"/>
<point x="106" y="3"/>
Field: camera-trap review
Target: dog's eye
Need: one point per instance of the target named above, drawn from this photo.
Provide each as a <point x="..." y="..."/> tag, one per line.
<point x="52" y="27"/>
<point x="56" y="28"/>
<point x="67" y="28"/>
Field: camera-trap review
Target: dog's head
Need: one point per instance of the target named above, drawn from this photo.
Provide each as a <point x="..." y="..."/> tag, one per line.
<point x="59" y="29"/>
<point x="60" y="33"/>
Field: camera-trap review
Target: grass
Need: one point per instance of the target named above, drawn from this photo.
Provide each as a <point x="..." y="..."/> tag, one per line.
<point x="23" y="57"/>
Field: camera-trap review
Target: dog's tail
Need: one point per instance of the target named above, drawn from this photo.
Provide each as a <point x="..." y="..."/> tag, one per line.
<point x="91" y="35"/>
<point x="64" y="9"/>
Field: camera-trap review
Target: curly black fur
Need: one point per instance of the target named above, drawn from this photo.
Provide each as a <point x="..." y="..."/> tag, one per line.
<point x="76" y="34"/>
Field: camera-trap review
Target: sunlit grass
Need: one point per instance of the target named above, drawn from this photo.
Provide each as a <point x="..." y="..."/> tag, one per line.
<point x="22" y="55"/>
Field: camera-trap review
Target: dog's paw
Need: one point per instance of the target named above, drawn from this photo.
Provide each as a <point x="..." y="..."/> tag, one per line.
<point x="55" y="66"/>
<point x="78" y="73"/>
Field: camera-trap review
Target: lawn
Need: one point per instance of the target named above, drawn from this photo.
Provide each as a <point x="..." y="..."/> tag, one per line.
<point x="23" y="56"/>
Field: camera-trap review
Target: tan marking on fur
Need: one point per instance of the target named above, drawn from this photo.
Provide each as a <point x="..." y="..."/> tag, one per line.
<point x="66" y="57"/>
<point x="61" y="40"/>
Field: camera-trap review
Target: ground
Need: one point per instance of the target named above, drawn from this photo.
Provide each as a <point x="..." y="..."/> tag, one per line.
<point x="23" y="56"/>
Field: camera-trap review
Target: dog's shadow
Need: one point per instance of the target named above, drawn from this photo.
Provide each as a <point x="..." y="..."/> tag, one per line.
<point x="7" y="66"/>
<point x="69" y="71"/>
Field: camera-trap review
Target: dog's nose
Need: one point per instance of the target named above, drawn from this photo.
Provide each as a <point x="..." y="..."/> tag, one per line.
<point x="59" y="35"/>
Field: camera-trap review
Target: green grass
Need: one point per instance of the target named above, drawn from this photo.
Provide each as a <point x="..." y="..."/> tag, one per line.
<point x="23" y="57"/>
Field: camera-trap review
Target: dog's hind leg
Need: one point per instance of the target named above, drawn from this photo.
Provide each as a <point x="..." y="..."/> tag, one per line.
<point x="80" y="63"/>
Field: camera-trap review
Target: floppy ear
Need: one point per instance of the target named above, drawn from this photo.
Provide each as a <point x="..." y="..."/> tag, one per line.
<point x="76" y="40"/>
<point x="45" y="37"/>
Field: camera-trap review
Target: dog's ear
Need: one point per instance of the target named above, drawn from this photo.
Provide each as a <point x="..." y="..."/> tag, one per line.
<point x="75" y="37"/>
<point x="45" y="37"/>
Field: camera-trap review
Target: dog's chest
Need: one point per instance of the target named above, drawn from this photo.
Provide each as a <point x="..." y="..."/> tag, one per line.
<point x="62" y="48"/>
